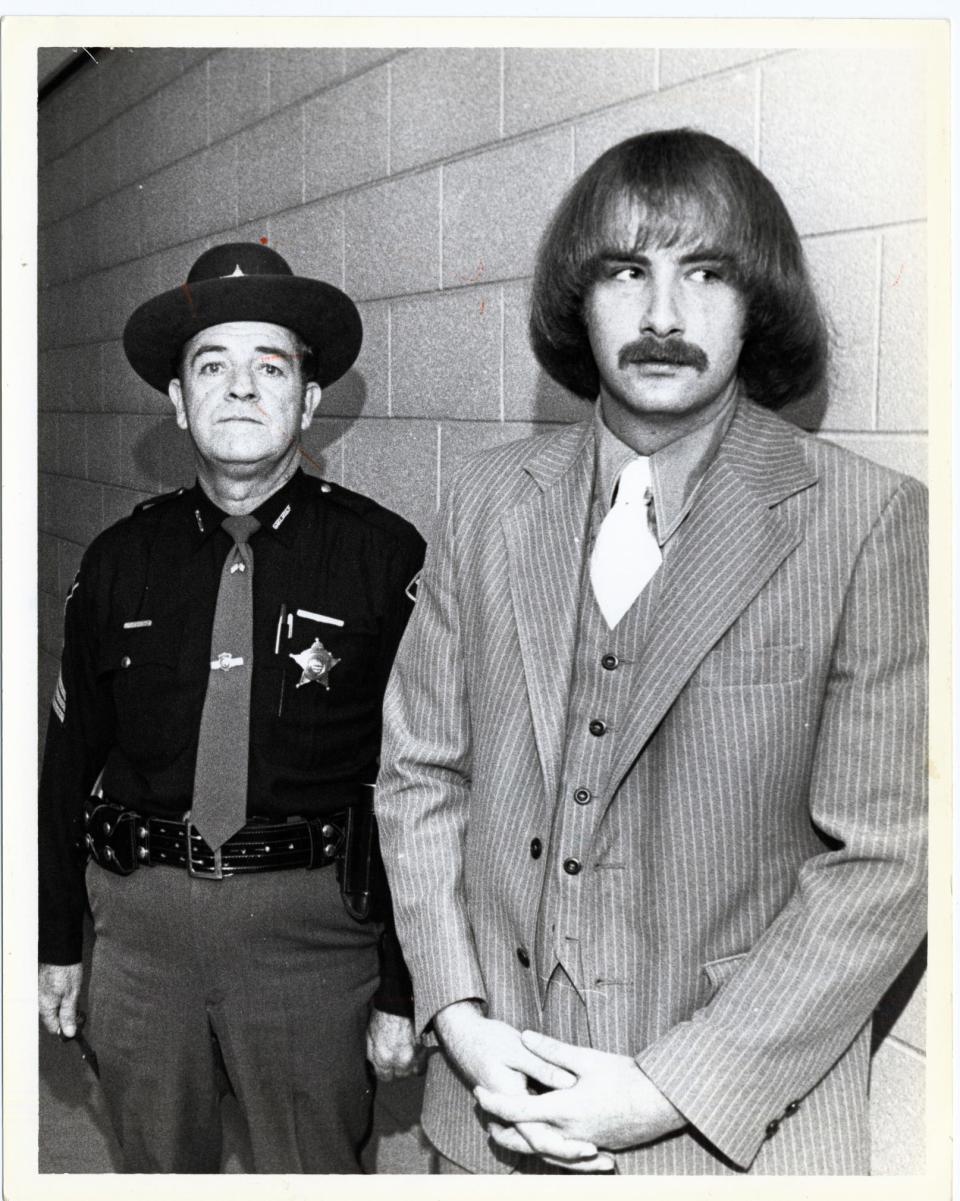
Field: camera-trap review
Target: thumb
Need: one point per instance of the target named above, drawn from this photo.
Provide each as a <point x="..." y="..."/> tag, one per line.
<point x="68" y="1015"/>
<point x="562" y="1054"/>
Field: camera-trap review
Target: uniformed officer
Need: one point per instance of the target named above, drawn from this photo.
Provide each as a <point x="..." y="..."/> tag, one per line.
<point x="216" y="731"/>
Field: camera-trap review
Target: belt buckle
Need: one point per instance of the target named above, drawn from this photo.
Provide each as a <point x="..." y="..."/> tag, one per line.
<point x="201" y="871"/>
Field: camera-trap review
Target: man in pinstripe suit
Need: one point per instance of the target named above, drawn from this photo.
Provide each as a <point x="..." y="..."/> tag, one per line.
<point x="652" y="795"/>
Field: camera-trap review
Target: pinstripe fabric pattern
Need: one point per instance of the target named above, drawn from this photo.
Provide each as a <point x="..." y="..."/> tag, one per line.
<point x="755" y="877"/>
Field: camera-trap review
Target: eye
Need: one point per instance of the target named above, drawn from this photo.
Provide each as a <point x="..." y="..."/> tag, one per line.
<point x="707" y="275"/>
<point x="629" y="271"/>
<point x="211" y="367"/>
<point x="270" y="368"/>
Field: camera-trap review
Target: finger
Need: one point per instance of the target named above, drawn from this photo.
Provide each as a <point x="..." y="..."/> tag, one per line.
<point x="48" y="1015"/>
<point x="563" y="1055"/>
<point x="68" y="1015"/>
<point x="599" y="1163"/>
<point x="509" y="1138"/>
<point x="515" y="1107"/>
<point x="548" y="1074"/>
<point x="547" y="1140"/>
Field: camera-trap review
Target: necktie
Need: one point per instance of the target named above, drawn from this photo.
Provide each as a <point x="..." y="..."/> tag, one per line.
<point x="625" y="555"/>
<point x="220" y="781"/>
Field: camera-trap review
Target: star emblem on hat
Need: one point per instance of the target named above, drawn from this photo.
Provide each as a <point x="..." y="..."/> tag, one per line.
<point x="238" y="270"/>
<point x="315" y="663"/>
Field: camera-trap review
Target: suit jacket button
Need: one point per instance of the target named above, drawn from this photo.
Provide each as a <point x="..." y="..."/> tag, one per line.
<point x="536" y="847"/>
<point x="572" y="866"/>
<point x="772" y="1128"/>
<point x="583" y="796"/>
<point x="609" y="662"/>
<point x="792" y="1108"/>
<point x="597" y="728"/>
<point x="523" y="956"/>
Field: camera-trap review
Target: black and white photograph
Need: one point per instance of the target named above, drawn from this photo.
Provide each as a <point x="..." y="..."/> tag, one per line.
<point x="485" y="481"/>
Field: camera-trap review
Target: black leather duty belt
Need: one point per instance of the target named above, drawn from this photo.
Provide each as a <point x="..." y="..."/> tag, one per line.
<point x="121" y="840"/>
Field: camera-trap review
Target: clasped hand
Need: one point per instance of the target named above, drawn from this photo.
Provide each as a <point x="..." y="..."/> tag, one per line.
<point x="596" y="1102"/>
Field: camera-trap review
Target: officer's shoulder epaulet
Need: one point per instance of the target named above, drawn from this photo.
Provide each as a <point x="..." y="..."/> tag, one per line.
<point x="367" y="509"/>
<point x="152" y="501"/>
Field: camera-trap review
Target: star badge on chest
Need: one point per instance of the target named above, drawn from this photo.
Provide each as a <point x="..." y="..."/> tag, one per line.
<point x="315" y="663"/>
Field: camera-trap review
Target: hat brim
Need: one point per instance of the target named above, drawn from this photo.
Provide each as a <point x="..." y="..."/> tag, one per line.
<point x="324" y="317"/>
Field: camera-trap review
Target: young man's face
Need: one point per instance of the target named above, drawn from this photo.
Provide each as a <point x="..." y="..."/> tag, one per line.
<point x="666" y="328"/>
<point x="241" y="393"/>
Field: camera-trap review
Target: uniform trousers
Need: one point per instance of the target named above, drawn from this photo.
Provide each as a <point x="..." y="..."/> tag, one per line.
<point x="263" y="977"/>
<point x="564" y="1018"/>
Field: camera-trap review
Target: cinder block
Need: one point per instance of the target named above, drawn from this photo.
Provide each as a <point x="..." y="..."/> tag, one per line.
<point x="118" y="224"/>
<point x="239" y="95"/>
<point x="46" y="511"/>
<point x="170" y="268"/>
<point x="321" y="452"/>
<point x="346" y="135"/>
<point x="460" y="440"/>
<point x="844" y="272"/>
<point x="77" y="510"/>
<point x="864" y="169"/>
<point x="392" y="237"/>
<point x="72" y="445"/>
<point x="133" y="133"/>
<point x="897" y="1112"/>
<point x="120" y="502"/>
<point x="103" y="441"/>
<point x="68" y="565"/>
<point x="109" y="297"/>
<point x="48" y="579"/>
<point x="58" y="314"/>
<point x="901" y="452"/>
<point x="311" y="239"/>
<point x="53" y="381"/>
<point x="136" y="72"/>
<point x="541" y="87"/>
<point x="178" y="466"/>
<point x="270" y="165"/>
<point x="85" y="384"/>
<point x="193" y="197"/>
<point x="679" y="66"/>
<point x="122" y="390"/>
<point x="180" y="117"/>
<point x="84" y="234"/>
<point x="48" y="425"/>
<point x="56" y="253"/>
<point x="101" y="163"/>
<point x="141" y="441"/>
<point x="297" y="73"/>
<point x="445" y="355"/>
<point x="723" y="107"/>
<point x="529" y="394"/>
<point x="361" y="58"/>
<point x="50" y="623"/>
<point x="443" y="101"/>
<point x="57" y="118"/>
<point x="365" y="388"/>
<point x="495" y="207"/>
<point x="395" y="462"/>
<point x="62" y="188"/>
<point x="903" y="390"/>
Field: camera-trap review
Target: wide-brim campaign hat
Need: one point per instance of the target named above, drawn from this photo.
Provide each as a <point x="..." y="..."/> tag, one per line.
<point x="244" y="281"/>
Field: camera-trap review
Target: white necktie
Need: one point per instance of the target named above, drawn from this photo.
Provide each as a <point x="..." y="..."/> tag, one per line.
<point x="625" y="555"/>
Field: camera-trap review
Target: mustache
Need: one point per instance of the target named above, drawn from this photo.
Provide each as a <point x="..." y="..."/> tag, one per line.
<point x="657" y="350"/>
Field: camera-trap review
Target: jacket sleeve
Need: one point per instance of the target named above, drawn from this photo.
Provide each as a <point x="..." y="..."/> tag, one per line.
<point x="423" y="790"/>
<point x="78" y="738"/>
<point x="811" y="982"/>
<point x="395" y="991"/>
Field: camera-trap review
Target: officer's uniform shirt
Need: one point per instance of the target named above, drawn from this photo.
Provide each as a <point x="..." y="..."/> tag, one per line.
<point x="329" y="565"/>
<point x="602" y="684"/>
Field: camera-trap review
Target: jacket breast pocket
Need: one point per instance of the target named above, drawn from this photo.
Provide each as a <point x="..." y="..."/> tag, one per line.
<point x="718" y="971"/>
<point x="745" y="669"/>
<point x="140" y="667"/>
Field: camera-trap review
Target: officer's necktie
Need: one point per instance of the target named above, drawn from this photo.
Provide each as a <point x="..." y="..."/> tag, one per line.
<point x="625" y="555"/>
<point x="220" y="781"/>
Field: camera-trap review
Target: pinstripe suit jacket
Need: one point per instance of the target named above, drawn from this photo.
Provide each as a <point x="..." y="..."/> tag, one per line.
<point x="757" y="879"/>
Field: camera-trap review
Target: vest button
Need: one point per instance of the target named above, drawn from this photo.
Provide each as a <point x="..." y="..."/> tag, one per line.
<point x="772" y="1128"/>
<point x="792" y="1107"/>
<point x="523" y="956"/>
<point x="610" y="662"/>
<point x="583" y="796"/>
<point x="536" y="847"/>
<point x="572" y="866"/>
<point x="597" y="728"/>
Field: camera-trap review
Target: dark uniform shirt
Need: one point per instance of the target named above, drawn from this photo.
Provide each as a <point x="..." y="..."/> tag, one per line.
<point x="136" y="661"/>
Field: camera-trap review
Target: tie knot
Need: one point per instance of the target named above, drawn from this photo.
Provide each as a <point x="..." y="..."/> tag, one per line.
<point x="633" y="484"/>
<point x="241" y="527"/>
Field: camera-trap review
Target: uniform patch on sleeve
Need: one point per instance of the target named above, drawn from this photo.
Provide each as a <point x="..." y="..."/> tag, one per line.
<point x="411" y="589"/>
<point x="73" y="587"/>
<point x="60" y="698"/>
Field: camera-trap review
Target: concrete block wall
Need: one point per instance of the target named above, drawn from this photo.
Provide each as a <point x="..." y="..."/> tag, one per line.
<point x="419" y="180"/>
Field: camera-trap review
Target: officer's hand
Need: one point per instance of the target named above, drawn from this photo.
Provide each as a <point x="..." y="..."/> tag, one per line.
<point x="392" y="1047"/>
<point x="59" y="991"/>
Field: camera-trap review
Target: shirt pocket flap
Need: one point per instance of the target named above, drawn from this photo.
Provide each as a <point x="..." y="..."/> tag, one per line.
<point x="121" y="650"/>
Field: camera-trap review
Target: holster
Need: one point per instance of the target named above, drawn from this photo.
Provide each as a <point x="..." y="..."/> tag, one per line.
<point x="363" y="881"/>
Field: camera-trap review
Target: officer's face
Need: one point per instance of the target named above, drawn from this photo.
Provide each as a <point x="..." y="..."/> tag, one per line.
<point x="241" y="394"/>
<point x="666" y="329"/>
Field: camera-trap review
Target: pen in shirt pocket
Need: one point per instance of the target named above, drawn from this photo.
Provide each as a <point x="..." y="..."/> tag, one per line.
<point x="280" y="623"/>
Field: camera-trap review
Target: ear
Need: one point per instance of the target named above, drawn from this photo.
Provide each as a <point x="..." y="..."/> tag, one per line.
<point x="175" y="392"/>
<point x="311" y="398"/>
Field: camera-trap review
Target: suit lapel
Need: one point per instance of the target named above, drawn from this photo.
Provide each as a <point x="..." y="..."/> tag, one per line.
<point x="732" y="542"/>
<point x="545" y="536"/>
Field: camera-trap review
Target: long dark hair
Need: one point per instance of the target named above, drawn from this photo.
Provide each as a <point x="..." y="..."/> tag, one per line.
<point x="670" y="187"/>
